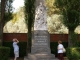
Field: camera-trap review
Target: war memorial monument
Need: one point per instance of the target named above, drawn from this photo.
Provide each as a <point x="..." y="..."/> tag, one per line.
<point x="40" y="49"/>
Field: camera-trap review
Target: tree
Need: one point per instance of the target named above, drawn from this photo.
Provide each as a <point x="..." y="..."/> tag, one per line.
<point x="2" y="19"/>
<point x="71" y="13"/>
<point x="51" y="8"/>
<point x="8" y="10"/>
<point x="29" y="17"/>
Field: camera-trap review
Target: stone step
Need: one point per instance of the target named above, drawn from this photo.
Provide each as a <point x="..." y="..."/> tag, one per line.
<point x="41" y="57"/>
<point x="55" y="59"/>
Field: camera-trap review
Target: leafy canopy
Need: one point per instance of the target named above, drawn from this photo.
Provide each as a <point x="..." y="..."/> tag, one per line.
<point x="71" y="12"/>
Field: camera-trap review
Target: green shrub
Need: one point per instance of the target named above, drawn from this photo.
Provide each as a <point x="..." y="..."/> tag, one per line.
<point x="73" y="53"/>
<point x="74" y="40"/>
<point x="4" y="53"/>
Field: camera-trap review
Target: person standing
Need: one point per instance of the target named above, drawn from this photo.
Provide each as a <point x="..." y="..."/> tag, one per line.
<point x="60" y="50"/>
<point x="16" y="48"/>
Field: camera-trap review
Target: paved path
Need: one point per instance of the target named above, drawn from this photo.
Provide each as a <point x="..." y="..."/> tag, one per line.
<point x="17" y="59"/>
<point x="22" y="58"/>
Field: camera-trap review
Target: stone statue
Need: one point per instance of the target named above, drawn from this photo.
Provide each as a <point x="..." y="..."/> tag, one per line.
<point x="40" y="22"/>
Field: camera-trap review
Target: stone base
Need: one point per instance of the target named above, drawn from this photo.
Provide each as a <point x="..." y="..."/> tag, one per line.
<point x="40" y="57"/>
<point x="40" y="49"/>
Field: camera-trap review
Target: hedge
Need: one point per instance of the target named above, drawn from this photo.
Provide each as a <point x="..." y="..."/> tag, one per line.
<point x="4" y="53"/>
<point x="73" y="53"/>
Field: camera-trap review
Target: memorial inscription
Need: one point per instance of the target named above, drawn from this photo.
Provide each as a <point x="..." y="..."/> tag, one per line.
<point x="40" y="40"/>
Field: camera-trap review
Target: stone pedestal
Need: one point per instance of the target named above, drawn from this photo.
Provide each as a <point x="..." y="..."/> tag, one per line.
<point x="40" y="49"/>
<point x="40" y="42"/>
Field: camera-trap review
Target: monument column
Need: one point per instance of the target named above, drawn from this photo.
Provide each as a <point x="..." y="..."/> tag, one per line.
<point x="40" y="49"/>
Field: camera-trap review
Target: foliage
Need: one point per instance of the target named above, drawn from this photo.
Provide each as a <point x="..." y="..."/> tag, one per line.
<point x="18" y="15"/>
<point x="29" y="11"/>
<point x="55" y="25"/>
<point x="8" y="10"/>
<point x="7" y="17"/>
<point x="74" y="38"/>
<point x="4" y="53"/>
<point x="29" y="17"/>
<point x="51" y="8"/>
<point x="71" y="11"/>
<point x="73" y="53"/>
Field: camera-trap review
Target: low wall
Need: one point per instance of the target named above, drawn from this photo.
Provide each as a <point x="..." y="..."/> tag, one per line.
<point x="23" y="37"/>
<point x="56" y="37"/>
<point x="10" y="36"/>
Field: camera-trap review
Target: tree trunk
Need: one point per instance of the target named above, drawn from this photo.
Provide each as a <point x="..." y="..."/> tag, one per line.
<point x="30" y="23"/>
<point x="69" y="38"/>
<point x="1" y="21"/>
<point x="71" y="41"/>
<point x="29" y="40"/>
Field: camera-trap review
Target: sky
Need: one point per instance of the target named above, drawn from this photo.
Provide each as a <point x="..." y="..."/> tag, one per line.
<point x="17" y="3"/>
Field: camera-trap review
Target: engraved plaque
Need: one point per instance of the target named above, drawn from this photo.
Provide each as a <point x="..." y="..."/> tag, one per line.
<point x="40" y="41"/>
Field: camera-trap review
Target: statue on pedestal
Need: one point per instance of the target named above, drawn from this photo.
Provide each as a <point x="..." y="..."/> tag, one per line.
<point x="40" y="22"/>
